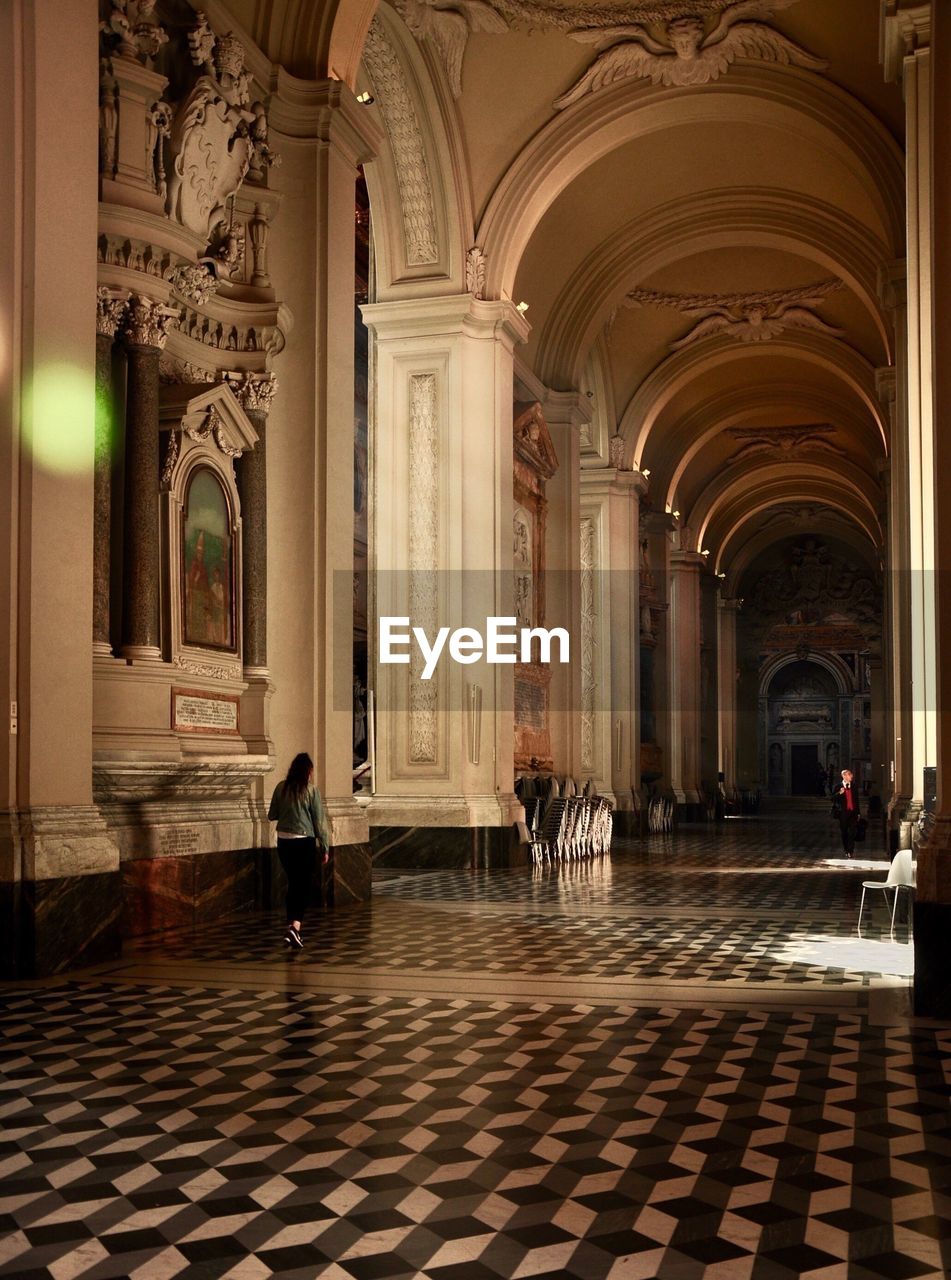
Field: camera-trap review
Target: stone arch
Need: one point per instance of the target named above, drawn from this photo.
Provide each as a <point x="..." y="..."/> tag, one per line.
<point x="784" y="98"/>
<point x="419" y="188"/>
<point x="707" y="221"/>
<point x="764" y="487"/>
<point x="690" y="363"/>
<point x="829" y="662"/>
<point x="838" y="523"/>
<point x="693" y="432"/>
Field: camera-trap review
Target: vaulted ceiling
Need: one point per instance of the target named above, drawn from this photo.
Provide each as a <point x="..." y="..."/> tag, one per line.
<point x="715" y="245"/>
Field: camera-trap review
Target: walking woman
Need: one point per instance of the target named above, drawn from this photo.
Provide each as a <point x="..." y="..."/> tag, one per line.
<point x="302" y="825"/>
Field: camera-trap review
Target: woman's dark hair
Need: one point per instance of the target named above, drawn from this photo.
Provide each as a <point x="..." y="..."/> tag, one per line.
<point x="298" y="776"/>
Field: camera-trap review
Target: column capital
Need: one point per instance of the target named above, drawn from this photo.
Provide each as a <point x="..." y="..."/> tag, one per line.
<point x="886" y="385"/>
<point x="441" y="317"/>
<point x="254" y="391"/>
<point x="110" y="308"/>
<point x="905" y="31"/>
<point x="693" y="560"/>
<point x="326" y="112"/>
<point x="148" y="322"/>
<point x="892" y="284"/>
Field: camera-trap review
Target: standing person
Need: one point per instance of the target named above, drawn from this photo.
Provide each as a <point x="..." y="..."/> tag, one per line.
<point x="301" y="820"/>
<point x="845" y="808"/>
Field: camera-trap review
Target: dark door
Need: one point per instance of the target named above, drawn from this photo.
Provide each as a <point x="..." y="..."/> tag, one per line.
<point x="804" y="768"/>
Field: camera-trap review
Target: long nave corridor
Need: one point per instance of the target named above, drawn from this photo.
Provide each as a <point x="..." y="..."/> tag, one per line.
<point x="680" y="1061"/>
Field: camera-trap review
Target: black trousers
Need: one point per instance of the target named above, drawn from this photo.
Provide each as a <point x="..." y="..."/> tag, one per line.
<point x="848" y="822"/>
<point x="299" y="860"/>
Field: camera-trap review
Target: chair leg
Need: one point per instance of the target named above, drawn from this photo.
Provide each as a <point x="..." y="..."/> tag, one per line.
<point x="894" y="905"/>
<point x="861" y="909"/>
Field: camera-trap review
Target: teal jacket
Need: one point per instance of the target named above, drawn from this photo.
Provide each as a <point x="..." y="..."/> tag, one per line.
<point x="306" y="816"/>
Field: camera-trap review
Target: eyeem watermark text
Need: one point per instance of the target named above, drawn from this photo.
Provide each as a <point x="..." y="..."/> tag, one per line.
<point x="504" y="641"/>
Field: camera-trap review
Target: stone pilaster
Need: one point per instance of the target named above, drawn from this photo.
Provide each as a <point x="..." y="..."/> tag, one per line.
<point x="727" y="610"/>
<point x="145" y="332"/>
<point x="332" y="135"/>
<point x="444" y="521"/>
<point x="610" y="508"/>
<point x="110" y="308"/>
<point x="933" y="901"/>
<point x="684" y="680"/>
<point x="899" y="786"/>
<point x="907" y="48"/>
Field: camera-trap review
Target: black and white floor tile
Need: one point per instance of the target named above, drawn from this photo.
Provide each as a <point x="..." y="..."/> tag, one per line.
<point x="188" y="1127"/>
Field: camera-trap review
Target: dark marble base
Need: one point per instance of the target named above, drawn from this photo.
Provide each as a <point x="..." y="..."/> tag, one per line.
<point x="932" y="988"/>
<point x="167" y="893"/>
<point x="691" y="812"/>
<point x="348" y="876"/>
<point x="626" y="823"/>
<point x="439" y="848"/>
<point x="53" y="925"/>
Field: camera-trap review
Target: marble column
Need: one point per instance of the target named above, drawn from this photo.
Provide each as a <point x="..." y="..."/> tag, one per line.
<point x="727" y="664"/>
<point x="683" y="666"/>
<point x="933" y="899"/>
<point x="444" y="509"/>
<point x="255" y="392"/>
<point x="145" y="332"/>
<point x="110" y="308"/>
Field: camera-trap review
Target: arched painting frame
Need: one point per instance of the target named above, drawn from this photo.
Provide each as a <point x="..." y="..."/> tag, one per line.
<point x="208" y="579"/>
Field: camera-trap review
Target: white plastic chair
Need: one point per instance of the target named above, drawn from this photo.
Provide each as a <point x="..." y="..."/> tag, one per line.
<point x="901" y="875"/>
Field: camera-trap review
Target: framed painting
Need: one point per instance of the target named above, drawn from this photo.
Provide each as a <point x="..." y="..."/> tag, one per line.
<point x="208" y="593"/>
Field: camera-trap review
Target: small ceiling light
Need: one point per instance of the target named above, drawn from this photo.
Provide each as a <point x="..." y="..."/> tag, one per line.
<point x="521" y="307"/>
<point x="365" y="99"/>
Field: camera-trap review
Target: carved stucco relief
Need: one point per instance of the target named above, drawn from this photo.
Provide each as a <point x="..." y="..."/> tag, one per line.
<point x="409" y="152"/>
<point x="423" y="557"/>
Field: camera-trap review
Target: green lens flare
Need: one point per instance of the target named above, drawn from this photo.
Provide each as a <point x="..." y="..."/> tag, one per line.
<point x="59" y="420"/>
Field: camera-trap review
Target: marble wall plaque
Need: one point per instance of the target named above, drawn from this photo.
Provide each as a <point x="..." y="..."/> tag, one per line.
<point x="531" y="705"/>
<point x="194" y="711"/>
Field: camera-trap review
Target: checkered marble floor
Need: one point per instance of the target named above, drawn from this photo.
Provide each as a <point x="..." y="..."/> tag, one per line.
<point x="191" y="1111"/>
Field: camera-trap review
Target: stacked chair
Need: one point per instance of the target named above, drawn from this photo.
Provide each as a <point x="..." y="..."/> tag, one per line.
<point x="660" y="815"/>
<point x="562" y="822"/>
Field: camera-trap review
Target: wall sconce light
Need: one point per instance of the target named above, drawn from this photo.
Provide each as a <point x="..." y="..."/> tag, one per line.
<point x="365" y="99"/>
<point x="521" y="307"/>
<point x="721" y="576"/>
<point x="676" y="515"/>
<point x="646" y="473"/>
<point x="704" y="553"/>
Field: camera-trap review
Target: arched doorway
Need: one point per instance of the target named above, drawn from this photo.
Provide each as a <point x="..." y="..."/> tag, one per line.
<point x="800" y="721"/>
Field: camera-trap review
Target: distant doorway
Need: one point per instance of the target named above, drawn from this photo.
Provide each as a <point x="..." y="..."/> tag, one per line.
<point x="804" y="770"/>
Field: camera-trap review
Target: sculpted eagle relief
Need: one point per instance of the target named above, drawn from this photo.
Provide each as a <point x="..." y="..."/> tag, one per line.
<point x="669" y="42"/>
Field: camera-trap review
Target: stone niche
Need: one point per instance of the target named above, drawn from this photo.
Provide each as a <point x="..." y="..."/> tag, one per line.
<point x="535" y="462"/>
